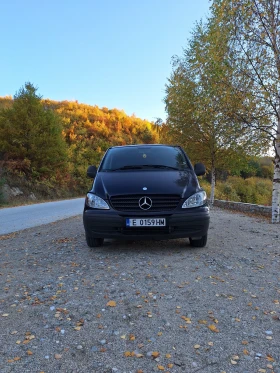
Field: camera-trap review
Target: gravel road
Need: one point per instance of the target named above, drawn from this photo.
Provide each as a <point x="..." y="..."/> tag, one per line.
<point x="154" y="306"/>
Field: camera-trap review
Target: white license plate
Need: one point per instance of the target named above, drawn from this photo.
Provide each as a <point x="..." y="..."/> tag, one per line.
<point x="150" y="222"/>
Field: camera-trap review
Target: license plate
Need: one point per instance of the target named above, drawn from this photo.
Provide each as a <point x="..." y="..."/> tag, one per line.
<point x="150" y="222"/>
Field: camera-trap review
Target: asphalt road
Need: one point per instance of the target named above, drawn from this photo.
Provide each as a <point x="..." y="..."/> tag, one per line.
<point x="14" y="219"/>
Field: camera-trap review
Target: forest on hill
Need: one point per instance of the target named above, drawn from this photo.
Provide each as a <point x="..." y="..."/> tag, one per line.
<point x="47" y="145"/>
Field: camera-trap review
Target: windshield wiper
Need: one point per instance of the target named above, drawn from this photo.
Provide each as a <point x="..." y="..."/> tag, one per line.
<point x="159" y="166"/>
<point x="131" y="167"/>
<point x="139" y="167"/>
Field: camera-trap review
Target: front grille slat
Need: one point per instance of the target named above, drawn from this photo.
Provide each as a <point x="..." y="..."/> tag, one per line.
<point x="162" y="202"/>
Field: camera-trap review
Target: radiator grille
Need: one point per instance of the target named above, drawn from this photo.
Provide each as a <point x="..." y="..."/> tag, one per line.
<point x="162" y="202"/>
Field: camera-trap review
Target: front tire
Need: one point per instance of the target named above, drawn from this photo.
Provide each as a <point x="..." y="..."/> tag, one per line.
<point x="94" y="242"/>
<point x="201" y="242"/>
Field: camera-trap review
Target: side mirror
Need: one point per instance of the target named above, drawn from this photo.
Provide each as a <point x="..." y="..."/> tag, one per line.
<point x="91" y="171"/>
<point x="199" y="169"/>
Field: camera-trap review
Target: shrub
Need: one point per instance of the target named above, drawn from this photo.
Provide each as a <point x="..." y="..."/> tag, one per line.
<point x="252" y="190"/>
<point x="206" y="186"/>
<point x="227" y="192"/>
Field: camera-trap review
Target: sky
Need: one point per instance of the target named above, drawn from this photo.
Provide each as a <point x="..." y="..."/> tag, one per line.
<point x="109" y="53"/>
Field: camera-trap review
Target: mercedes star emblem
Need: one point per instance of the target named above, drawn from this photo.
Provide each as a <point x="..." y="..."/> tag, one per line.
<point x="145" y="203"/>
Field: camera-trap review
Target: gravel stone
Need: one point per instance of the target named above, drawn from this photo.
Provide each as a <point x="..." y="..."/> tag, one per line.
<point x="268" y="332"/>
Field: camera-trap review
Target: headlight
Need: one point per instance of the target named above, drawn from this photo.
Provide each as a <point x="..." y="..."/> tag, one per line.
<point x="197" y="199"/>
<point x="96" y="202"/>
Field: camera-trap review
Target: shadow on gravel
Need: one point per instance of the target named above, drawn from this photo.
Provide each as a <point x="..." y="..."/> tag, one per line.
<point x="162" y="247"/>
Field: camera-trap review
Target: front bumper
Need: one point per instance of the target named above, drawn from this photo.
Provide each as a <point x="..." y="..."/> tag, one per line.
<point x="112" y="224"/>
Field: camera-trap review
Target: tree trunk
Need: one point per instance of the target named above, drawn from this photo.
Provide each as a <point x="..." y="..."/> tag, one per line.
<point x="276" y="178"/>
<point x="213" y="183"/>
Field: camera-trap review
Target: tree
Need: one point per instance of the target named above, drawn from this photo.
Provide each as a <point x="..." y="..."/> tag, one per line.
<point x="199" y="103"/>
<point x="31" y="135"/>
<point x="255" y="50"/>
<point x="157" y="124"/>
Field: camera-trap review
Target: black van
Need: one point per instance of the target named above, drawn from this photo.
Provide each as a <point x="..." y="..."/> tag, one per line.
<point x="146" y="192"/>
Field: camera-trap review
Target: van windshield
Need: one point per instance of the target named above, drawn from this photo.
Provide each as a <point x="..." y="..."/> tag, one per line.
<point x="145" y="157"/>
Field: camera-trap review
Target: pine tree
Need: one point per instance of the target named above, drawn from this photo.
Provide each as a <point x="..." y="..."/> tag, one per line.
<point x="31" y="135"/>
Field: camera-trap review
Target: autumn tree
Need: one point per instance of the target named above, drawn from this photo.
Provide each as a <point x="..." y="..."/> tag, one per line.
<point x="31" y="136"/>
<point x="255" y="51"/>
<point x="199" y="103"/>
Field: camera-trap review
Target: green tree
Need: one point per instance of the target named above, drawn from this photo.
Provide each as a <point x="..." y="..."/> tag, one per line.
<point x="31" y="135"/>
<point x="199" y="103"/>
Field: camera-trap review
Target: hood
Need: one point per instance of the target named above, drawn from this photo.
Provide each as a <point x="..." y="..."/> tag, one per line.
<point x="108" y="184"/>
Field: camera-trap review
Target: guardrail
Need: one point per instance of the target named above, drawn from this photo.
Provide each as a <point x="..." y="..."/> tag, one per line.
<point x="244" y="207"/>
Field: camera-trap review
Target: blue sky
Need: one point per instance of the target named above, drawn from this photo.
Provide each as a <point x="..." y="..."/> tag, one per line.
<point x="113" y="53"/>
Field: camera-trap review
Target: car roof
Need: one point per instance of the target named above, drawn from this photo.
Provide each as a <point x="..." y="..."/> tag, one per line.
<point x="143" y="145"/>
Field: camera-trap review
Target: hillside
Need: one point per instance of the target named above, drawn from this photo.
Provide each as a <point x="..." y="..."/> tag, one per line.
<point x="86" y="132"/>
<point x="46" y="147"/>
